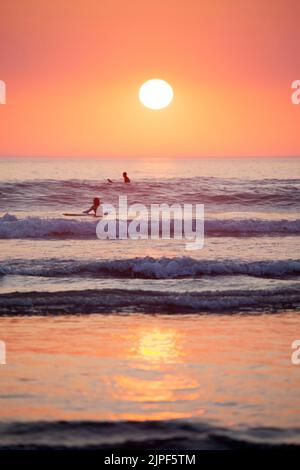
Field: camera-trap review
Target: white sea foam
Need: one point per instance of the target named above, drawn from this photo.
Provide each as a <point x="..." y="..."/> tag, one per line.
<point x="39" y="227"/>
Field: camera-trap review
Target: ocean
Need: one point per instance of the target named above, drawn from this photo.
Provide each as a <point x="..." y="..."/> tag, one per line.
<point x="142" y="343"/>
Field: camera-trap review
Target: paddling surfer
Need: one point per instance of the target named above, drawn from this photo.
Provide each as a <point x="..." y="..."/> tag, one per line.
<point x="125" y="178"/>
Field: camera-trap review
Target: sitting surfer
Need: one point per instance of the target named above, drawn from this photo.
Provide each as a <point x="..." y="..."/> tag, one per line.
<point x="94" y="207"/>
<point x="125" y="177"/>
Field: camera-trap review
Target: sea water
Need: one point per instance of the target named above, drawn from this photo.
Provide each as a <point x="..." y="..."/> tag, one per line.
<point x="142" y="340"/>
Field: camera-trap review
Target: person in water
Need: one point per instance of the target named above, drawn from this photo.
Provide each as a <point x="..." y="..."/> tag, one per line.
<point x="94" y="207"/>
<point x="126" y="179"/>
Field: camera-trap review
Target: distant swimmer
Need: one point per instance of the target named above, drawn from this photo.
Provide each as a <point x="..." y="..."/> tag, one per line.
<point x="126" y="179"/>
<point x="94" y="207"/>
<point x="109" y="181"/>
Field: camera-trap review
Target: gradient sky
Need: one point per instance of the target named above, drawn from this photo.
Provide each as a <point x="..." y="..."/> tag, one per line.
<point x="73" y="69"/>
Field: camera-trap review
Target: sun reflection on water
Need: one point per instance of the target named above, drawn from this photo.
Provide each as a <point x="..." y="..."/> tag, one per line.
<point x="158" y="345"/>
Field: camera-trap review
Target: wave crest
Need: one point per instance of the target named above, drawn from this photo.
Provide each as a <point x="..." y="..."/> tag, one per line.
<point x="151" y="268"/>
<point x="142" y="301"/>
<point x="163" y="435"/>
<point x="38" y="227"/>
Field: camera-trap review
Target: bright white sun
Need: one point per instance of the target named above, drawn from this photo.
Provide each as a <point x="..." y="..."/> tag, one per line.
<point x="156" y="94"/>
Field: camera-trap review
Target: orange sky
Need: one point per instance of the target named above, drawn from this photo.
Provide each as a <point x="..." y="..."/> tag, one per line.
<point x="73" y="69"/>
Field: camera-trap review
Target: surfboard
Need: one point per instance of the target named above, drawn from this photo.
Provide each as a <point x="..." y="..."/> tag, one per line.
<point x="83" y="215"/>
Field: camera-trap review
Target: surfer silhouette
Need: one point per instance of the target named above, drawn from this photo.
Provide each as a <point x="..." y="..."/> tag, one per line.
<point x="94" y="207"/>
<point x="126" y="179"/>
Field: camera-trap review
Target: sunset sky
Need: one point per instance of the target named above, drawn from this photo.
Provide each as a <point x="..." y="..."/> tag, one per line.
<point x="73" y="70"/>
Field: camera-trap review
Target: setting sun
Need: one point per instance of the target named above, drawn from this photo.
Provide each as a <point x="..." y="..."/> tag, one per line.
<point x="156" y="94"/>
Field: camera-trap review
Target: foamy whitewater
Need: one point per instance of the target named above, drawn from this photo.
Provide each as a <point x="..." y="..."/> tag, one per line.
<point x="54" y="266"/>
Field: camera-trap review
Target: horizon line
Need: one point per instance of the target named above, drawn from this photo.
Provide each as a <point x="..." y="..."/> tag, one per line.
<point x="134" y="157"/>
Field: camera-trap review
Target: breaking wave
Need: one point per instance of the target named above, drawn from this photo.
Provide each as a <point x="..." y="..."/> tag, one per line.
<point x="157" y="435"/>
<point x="38" y="227"/>
<point x="151" y="268"/>
<point x="143" y="301"/>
